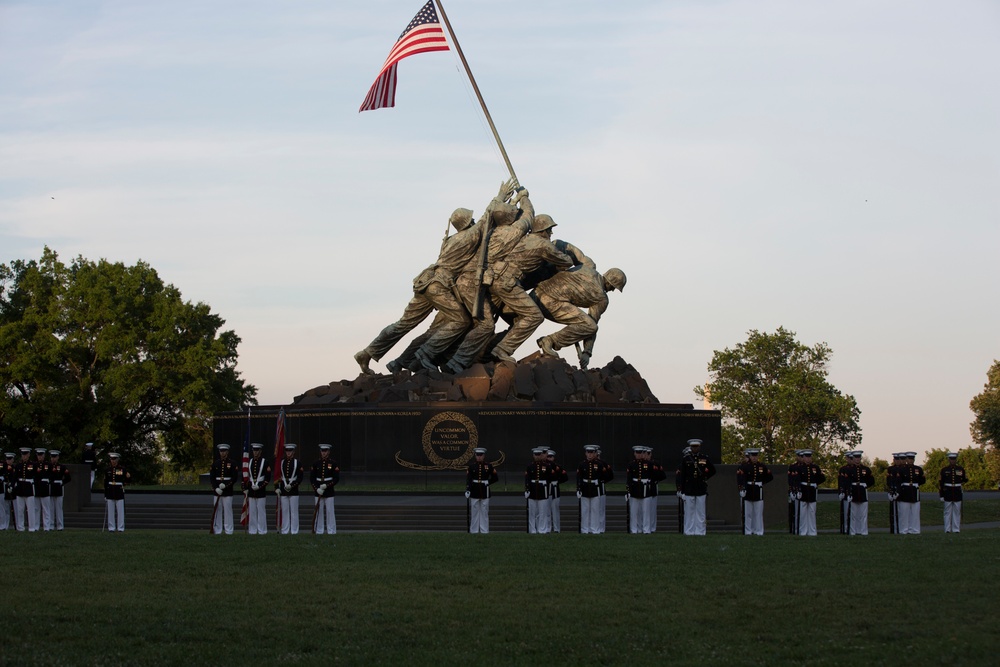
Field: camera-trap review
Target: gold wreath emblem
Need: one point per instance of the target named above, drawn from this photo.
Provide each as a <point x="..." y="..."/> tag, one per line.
<point x="439" y="462"/>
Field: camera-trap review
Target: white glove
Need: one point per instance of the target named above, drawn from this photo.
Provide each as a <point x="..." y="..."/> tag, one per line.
<point x="791" y="495"/>
<point x="255" y="487"/>
<point x="743" y="493"/>
<point x="218" y="491"/>
<point x="863" y="485"/>
<point x="277" y="490"/>
<point x="288" y="487"/>
<point x="843" y="497"/>
<point x="526" y="494"/>
<point x="798" y="495"/>
<point x="322" y="488"/>
<point x="468" y="494"/>
<point x="579" y="494"/>
<point x="222" y="487"/>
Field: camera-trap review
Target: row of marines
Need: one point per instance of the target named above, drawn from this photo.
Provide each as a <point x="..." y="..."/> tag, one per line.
<point x="543" y="477"/>
<point x="287" y="475"/>
<point x="903" y="481"/>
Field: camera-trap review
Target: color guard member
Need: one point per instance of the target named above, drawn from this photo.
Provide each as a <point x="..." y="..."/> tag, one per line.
<point x="853" y="481"/>
<point x="559" y="475"/>
<point x="7" y="487"/>
<point x="909" y="477"/>
<point x="89" y="458"/>
<point x="25" y="503"/>
<point x="537" y="478"/>
<point x="642" y="477"/>
<point x="58" y="477"/>
<point x="287" y="478"/>
<point x="751" y="476"/>
<point x="259" y="474"/>
<point x="43" y="490"/>
<point x="325" y="475"/>
<point x="222" y="477"/>
<point x="115" y="478"/>
<point x="591" y="476"/>
<point x="950" y="489"/>
<point x="803" y="482"/>
<point x="479" y="476"/>
<point x="692" y="487"/>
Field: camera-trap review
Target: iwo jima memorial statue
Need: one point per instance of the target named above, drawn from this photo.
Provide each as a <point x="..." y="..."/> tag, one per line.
<point x="458" y="385"/>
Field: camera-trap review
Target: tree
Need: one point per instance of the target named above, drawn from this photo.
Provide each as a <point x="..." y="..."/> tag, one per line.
<point x="880" y="469"/>
<point x="773" y="394"/>
<point x="973" y="459"/>
<point x="108" y="353"/>
<point x="985" y="427"/>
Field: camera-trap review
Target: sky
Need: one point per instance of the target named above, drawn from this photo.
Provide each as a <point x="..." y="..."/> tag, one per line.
<point x="832" y="168"/>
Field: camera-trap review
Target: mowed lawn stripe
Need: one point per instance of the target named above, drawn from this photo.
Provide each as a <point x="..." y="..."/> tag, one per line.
<point x="179" y="597"/>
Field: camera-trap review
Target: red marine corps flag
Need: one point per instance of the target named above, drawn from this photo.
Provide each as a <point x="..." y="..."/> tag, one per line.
<point x="279" y="455"/>
<point x="245" y="475"/>
<point x="423" y="34"/>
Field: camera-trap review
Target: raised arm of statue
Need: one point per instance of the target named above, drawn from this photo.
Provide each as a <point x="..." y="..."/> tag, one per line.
<point x="579" y="259"/>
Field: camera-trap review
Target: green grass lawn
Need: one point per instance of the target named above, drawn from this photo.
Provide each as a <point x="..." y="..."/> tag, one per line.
<point x="185" y="598"/>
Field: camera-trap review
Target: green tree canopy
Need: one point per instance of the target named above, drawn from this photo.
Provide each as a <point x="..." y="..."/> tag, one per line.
<point x="773" y="394"/>
<point x="973" y="459"/>
<point x="985" y="427"/>
<point x="108" y="353"/>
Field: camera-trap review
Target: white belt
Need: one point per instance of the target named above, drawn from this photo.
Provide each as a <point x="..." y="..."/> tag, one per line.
<point x="592" y="481"/>
<point x="59" y="481"/>
<point x="481" y="481"/>
<point x="953" y="485"/>
<point x="539" y="481"/>
<point x="757" y="483"/>
<point x="910" y="484"/>
<point x="808" y="484"/>
<point x="326" y="479"/>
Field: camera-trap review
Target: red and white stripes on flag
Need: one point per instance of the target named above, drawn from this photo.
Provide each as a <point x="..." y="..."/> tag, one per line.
<point x="422" y="35"/>
<point x="245" y="475"/>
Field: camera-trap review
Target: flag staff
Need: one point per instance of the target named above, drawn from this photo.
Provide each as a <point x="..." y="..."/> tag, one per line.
<point x="475" y="87"/>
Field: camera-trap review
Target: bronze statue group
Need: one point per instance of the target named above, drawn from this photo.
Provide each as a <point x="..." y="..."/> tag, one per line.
<point x="505" y="266"/>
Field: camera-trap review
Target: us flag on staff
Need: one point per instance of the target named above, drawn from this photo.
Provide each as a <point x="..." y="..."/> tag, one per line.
<point x="245" y="470"/>
<point x="422" y="35"/>
<point x="279" y="444"/>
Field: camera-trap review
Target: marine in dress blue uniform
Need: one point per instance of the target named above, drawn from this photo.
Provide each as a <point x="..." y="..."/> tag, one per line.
<point x="115" y="478"/>
<point x="537" y="486"/>
<point x="751" y="476"/>
<point x="479" y="477"/>
<point x="222" y="477"/>
<point x="950" y="491"/>
<point x="324" y="476"/>
<point x="692" y="487"/>
<point x="591" y="477"/>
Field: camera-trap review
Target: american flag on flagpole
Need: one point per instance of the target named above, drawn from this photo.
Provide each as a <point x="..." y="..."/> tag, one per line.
<point x="422" y="35"/>
<point x="279" y="447"/>
<point x="245" y="470"/>
<point x="279" y="444"/>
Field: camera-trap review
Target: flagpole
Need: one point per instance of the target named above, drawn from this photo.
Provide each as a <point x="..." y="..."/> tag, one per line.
<point x="475" y="87"/>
